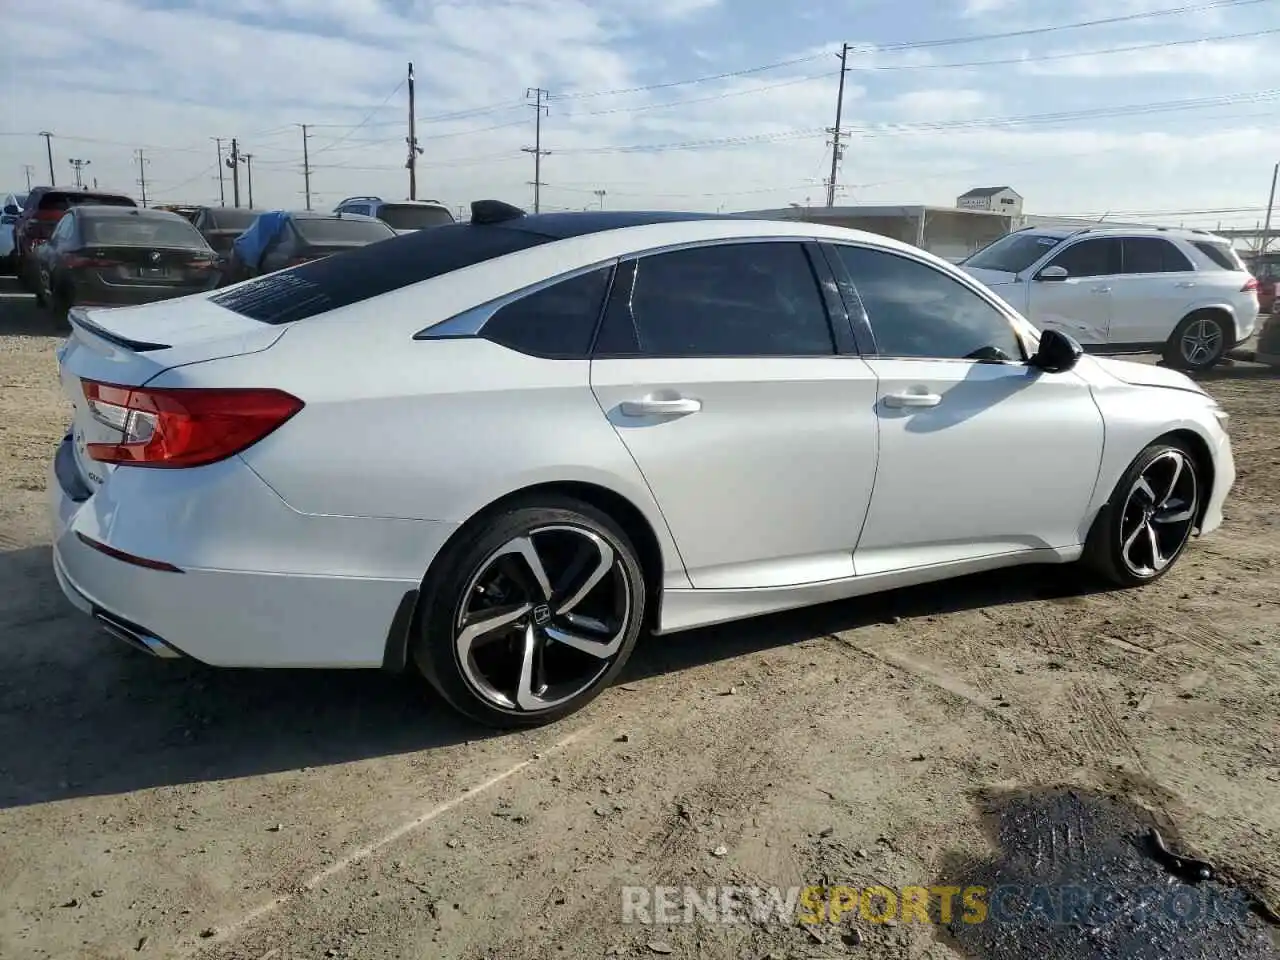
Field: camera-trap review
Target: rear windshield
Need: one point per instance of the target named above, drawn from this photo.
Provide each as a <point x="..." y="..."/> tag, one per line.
<point x="410" y="216"/>
<point x="341" y="230"/>
<point x="356" y="275"/>
<point x="64" y="201"/>
<point x="1222" y="255"/>
<point x="234" y="218"/>
<point x="141" y="232"/>
<point x="1013" y="253"/>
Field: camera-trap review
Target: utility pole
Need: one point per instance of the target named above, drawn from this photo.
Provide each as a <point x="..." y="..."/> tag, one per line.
<point x="248" y="167"/>
<point x="412" y="140"/>
<point x="306" y="166"/>
<point x="837" y="149"/>
<point x="79" y="165"/>
<point x="600" y="194"/>
<point x="222" y="189"/>
<point x="233" y="162"/>
<point x="48" y="149"/>
<point x="1271" y="202"/>
<point x="27" y="168"/>
<point x="540" y="109"/>
<point x="142" y="174"/>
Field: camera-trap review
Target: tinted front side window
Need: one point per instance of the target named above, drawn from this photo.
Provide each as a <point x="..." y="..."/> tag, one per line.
<point x="915" y="310"/>
<point x="1090" y="258"/>
<point x="557" y="321"/>
<point x="728" y="300"/>
<point x="1153" y="255"/>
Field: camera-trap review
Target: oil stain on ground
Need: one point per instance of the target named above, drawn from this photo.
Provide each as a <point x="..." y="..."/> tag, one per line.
<point x="1083" y="876"/>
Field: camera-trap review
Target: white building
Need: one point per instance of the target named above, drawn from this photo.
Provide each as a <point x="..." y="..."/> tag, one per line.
<point x="1004" y="200"/>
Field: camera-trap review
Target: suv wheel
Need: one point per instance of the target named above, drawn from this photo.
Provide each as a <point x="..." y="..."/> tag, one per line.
<point x="1198" y="342"/>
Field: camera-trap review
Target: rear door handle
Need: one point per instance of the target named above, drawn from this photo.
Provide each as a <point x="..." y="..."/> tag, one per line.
<point x="677" y="407"/>
<point x="912" y="399"/>
<point x="1186" y="283"/>
<point x="1101" y="289"/>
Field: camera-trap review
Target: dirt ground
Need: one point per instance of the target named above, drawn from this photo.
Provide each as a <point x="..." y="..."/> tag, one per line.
<point x="159" y="809"/>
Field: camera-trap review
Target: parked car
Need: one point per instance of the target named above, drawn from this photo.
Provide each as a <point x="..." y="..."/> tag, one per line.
<point x="10" y="210"/>
<point x="187" y="210"/>
<point x="41" y="213"/>
<point x="1184" y="293"/>
<point x="111" y="256"/>
<point x="220" y="226"/>
<point x="281" y="238"/>
<point x="494" y="452"/>
<point x="1266" y="267"/>
<point x="403" y="216"/>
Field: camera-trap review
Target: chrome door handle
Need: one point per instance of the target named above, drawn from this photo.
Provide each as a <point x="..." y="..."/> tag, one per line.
<point x="912" y="399"/>
<point x="1186" y="283"/>
<point x="661" y="408"/>
<point x="1101" y="290"/>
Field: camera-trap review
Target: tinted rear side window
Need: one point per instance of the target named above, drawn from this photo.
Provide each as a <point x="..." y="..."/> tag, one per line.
<point x="231" y="219"/>
<point x="557" y="322"/>
<point x="1221" y="255"/>
<point x="410" y="216"/>
<point x="1153" y="255"/>
<point x="370" y="271"/>
<point x="341" y="230"/>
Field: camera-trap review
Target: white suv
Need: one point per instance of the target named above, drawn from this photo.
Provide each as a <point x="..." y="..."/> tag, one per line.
<point x="1185" y="293"/>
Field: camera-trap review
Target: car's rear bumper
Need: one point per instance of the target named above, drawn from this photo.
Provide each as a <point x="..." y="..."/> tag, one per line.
<point x="92" y="292"/>
<point x="257" y="584"/>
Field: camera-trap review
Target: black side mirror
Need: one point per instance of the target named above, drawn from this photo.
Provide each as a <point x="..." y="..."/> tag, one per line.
<point x="1052" y="273"/>
<point x="1057" y="353"/>
<point x="11" y="210"/>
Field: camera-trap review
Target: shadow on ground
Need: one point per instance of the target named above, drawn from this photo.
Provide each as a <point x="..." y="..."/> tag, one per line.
<point x="20" y="316"/>
<point x="82" y="714"/>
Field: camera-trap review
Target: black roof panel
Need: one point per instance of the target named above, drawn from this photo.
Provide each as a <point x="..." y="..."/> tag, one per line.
<point x="377" y="268"/>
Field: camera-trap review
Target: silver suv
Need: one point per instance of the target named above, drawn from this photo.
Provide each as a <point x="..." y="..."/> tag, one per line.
<point x="402" y="216"/>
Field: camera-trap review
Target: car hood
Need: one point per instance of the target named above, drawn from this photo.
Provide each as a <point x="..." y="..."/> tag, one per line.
<point x="1146" y="375"/>
<point x="990" y="277"/>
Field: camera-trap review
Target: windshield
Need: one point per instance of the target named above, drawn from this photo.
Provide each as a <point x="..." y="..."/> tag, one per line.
<point x="236" y="218"/>
<point x="141" y="232"/>
<point x="65" y="201"/>
<point x="342" y="230"/>
<point x="1013" y="253"/>
<point x="413" y="216"/>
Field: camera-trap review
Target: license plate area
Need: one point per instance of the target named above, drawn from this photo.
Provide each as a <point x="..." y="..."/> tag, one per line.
<point x="151" y="273"/>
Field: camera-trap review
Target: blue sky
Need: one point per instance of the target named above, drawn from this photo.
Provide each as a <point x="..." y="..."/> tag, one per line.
<point x="109" y="76"/>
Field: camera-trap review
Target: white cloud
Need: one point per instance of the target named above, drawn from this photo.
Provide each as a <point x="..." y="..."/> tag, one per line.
<point x="1230" y="60"/>
<point x="109" y="78"/>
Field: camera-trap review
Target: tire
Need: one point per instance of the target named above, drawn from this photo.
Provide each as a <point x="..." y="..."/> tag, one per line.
<point x="1207" y="330"/>
<point x="597" y="604"/>
<point x="1119" y="547"/>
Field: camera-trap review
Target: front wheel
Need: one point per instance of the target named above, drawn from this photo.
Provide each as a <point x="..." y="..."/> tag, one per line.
<point x="1146" y="525"/>
<point x="530" y="613"/>
<point x="1198" y="342"/>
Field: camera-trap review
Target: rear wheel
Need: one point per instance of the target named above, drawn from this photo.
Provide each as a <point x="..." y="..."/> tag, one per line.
<point x="1146" y="525"/>
<point x="531" y="613"/>
<point x="1198" y="342"/>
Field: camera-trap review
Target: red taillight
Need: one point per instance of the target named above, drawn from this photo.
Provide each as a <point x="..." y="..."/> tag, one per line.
<point x="73" y="261"/>
<point x="201" y="265"/>
<point x="48" y="216"/>
<point x="183" y="427"/>
<point x="1250" y="285"/>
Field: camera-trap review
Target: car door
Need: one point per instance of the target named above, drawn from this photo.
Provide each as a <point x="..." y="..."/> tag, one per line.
<point x="1154" y="290"/>
<point x="49" y="254"/>
<point x="752" y="426"/>
<point x="1078" y="304"/>
<point x="981" y="455"/>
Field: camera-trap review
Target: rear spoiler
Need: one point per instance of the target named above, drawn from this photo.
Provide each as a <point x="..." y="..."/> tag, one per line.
<point x="79" y="317"/>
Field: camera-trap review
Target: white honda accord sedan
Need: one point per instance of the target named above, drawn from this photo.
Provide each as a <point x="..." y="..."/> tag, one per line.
<point x="495" y="452"/>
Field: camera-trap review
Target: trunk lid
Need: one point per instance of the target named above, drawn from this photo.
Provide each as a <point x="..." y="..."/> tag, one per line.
<point x="130" y="346"/>
<point x="136" y="266"/>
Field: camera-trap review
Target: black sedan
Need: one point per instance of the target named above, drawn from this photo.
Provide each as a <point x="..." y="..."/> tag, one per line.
<point x="119" y="256"/>
<point x="284" y="238"/>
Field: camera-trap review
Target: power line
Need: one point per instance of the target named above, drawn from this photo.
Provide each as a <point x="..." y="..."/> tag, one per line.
<point x="399" y="86"/>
